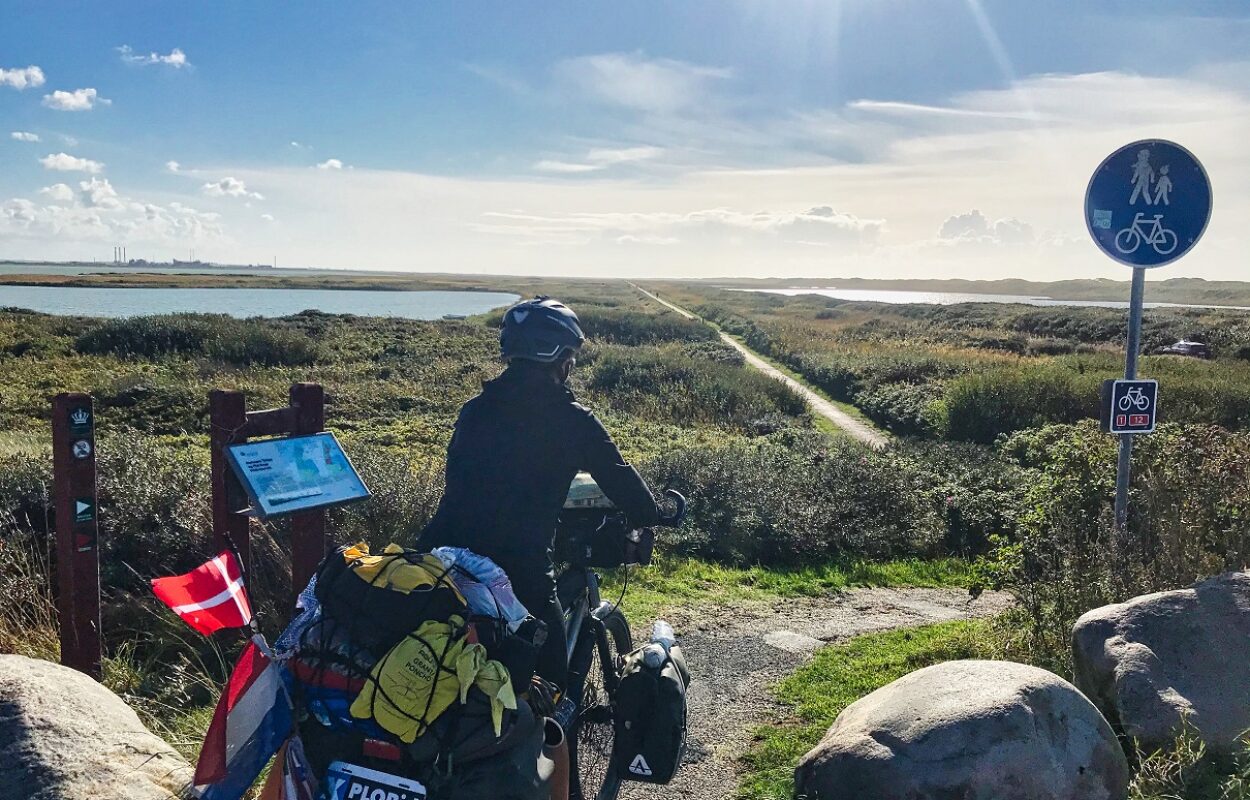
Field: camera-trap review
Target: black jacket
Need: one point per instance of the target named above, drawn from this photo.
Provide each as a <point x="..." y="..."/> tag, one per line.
<point x="516" y="449"/>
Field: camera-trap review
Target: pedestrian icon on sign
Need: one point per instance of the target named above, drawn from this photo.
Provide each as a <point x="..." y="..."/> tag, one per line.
<point x="1143" y="176"/>
<point x="1163" y="186"/>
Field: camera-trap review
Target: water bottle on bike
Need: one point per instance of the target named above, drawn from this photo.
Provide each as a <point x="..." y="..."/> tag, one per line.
<point x="662" y="640"/>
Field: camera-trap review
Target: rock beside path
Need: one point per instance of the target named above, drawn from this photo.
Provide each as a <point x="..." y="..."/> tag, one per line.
<point x="973" y="730"/>
<point x="1159" y="658"/>
<point x="64" y="736"/>
<point x="737" y="651"/>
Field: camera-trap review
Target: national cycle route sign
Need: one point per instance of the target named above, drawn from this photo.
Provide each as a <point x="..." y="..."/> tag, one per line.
<point x="1130" y="406"/>
<point x="1148" y="203"/>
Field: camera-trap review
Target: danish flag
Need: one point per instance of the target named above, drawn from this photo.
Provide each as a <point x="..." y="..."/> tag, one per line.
<point x="210" y="597"/>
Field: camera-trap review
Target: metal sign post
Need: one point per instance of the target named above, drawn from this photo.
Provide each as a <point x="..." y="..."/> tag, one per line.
<point x="1147" y="205"/>
<point x="1125" y="466"/>
<point x="77" y="531"/>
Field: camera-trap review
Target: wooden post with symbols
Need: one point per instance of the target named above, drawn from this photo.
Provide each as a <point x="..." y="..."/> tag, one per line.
<point x="227" y="417"/>
<point x="77" y="531"/>
<point x="231" y="423"/>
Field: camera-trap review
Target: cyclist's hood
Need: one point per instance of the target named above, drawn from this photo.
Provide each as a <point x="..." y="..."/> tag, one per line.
<point x="585" y="493"/>
<point x="541" y="329"/>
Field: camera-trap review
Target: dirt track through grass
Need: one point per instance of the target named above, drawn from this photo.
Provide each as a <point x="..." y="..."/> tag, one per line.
<point x="819" y="404"/>
<point x="738" y="651"/>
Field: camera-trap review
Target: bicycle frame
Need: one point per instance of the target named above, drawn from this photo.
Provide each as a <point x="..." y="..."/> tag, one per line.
<point x="575" y="617"/>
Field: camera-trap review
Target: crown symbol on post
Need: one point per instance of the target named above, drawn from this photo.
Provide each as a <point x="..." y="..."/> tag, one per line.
<point x="80" y="417"/>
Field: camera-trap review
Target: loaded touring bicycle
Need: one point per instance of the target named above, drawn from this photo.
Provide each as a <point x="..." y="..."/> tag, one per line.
<point x="436" y="711"/>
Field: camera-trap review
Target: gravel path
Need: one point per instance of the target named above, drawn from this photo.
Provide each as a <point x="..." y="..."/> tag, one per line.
<point x="737" y="652"/>
<point x="819" y="405"/>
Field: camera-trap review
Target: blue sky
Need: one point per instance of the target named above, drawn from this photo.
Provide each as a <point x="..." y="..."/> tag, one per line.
<point x="693" y="138"/>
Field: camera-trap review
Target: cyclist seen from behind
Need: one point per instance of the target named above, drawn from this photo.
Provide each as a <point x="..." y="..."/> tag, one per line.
<point x="516" y="448"/>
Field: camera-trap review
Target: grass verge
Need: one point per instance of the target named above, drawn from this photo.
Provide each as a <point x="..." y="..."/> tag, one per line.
<point x="841" y="674"/>
<point x="671" y="582"/>
<point x="838" y="676"/>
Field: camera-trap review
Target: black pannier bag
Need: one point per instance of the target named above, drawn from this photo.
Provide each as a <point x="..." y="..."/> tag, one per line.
<point x="651" y="718"/>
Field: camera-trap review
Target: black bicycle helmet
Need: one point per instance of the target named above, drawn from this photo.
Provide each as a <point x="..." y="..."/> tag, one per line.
<point x="541" y="329"/>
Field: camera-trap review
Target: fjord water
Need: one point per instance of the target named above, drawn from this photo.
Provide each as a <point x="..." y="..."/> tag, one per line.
<point x="127" y="302"/>
<point x="894" y="296"/>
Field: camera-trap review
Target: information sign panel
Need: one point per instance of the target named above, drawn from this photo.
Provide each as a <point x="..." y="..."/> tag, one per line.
<point x="295" y="473"/>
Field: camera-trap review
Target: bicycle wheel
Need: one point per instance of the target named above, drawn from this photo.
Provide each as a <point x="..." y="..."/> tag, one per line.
<point x="1166" y="242"/>
<point x="1127" y="241"/>
<point x="592" y="735"/>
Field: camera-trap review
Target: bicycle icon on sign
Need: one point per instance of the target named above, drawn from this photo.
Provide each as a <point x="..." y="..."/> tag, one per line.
<point x="1135" y="397"/>
<point x="1149" y="231"/>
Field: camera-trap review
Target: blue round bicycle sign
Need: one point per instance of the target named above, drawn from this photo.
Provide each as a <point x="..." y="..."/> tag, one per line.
<point x="1148" y="203"/>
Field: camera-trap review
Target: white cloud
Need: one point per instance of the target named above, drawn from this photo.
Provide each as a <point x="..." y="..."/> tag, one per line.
<point x="267" y="217"/>
<point x="623" y="155"/>
<point x="633" y="81"/>
<point x="22" y="77"/>
<point x="600" y="159"/>
<point x="98" y="193"/>
<point x="712" y="227"/>
<point x="549" y="165"/>
<point x="975" y="227"/>
<point x="58" y="192"/>
<point x="68" y="140"/>
<point x="330" y="163"/>
<point x="230" y="187"/>
<point x="64" y="162"/>
<point x="24" y="136"/>
<point x="172" y="166"/>
<point x="175" y="58"/>
<point x="77" y="100"/>
<point x="96" y="212"/>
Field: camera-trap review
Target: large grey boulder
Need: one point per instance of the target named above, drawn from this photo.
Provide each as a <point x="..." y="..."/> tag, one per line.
<point x="1160" y="657"/>
<point x="65" y="737"/>
<point x="968" y="730"/>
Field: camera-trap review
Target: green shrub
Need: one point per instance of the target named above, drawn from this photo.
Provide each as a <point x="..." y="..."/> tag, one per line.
<point x="1190" y="504"/>
<point x="666" y="384"/>
<point x="796" y="498"/>
<point x="980" y="406"/>
<point x="616" y="326"/>
<point x="903" y="408"/>
<point x="214" y="336"/>
<point x="976" y="492"/>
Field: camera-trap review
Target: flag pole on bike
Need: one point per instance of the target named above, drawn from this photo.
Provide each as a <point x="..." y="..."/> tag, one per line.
<point x="1147" y="204"/>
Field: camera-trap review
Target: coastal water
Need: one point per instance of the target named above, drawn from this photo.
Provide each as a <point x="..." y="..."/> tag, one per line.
<point x="952" y="298"/>
<point x="127" y="302"/>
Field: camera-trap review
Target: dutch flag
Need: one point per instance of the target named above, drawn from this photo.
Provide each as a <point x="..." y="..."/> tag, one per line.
<point x="252" y="721"/>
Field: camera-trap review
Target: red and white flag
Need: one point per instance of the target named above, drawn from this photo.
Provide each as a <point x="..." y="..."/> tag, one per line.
<point x="252" y="720"/>
<point x="210" y="597"/>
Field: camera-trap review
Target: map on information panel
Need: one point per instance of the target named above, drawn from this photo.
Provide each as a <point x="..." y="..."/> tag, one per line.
<point x="295" y="474"/>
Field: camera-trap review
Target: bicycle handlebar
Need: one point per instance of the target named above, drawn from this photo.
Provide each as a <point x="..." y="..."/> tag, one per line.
<point x="675" y="519"/>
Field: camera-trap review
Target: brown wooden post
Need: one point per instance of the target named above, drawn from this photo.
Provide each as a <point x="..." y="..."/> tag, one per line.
<point x="77" y="531"/>
<point x="227" y="413"/>
<point x="308" y="528"/>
